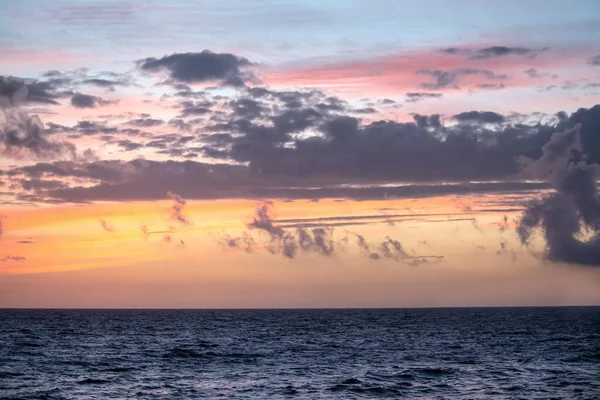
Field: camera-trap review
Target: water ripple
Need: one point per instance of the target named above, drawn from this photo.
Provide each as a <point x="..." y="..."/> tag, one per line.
<point x="512" y="353"/>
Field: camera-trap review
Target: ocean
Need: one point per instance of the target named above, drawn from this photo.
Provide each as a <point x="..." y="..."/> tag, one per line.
<point x="447" y="353"/>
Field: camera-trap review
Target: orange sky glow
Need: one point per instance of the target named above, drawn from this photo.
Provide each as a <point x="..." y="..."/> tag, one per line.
<point x="73" y="261"/>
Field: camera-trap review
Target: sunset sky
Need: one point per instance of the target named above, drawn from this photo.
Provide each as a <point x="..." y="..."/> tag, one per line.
<point x="289" y="153"/>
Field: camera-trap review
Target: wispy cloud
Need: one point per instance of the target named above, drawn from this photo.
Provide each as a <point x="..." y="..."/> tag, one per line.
<point x="177" y="209"/>
<point x="107" y="226"/>
<point x="12" y="258"/>
<point x="322" y="240"/>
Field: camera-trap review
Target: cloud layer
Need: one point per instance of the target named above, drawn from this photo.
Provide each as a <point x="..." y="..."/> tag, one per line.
<point x="205" y="66"/>
<point x="569" y="218"/>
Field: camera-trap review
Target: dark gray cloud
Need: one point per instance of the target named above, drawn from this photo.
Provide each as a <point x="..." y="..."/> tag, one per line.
<point x="101" y="82"/>
<point x="346" y="152"/>
<point x="218" y="138"/>
<point x="248" y="108"/>
<point x="257" y="126"/>
<point x="297" y="144"/>
<point x="109" y="84"/>
<point x="87" y="128"/>
<point x="280" y="241"/>
<point x="534" y="73"/>
<point x="80" y="100"/>
<point x="15" y="90"/>
<point x="56" y="85"/>
<point x="414" y="97"/>
<point x="428" y="121"/>
<point x="482" y="117"/>
<point x="340" y="145"/>
<point x="595" y="61"/>
<point x="146" y="122"/>
<point x="245" y="242"/>
<point x="589" y="118"/>
<point x="390" y="248"/>
<point x="364" y="110"/>
<point x="106" y="80"/>
<point x="332" y="104"/>
<point x="449" y="79"/>
<point x="569" y="218"/>
<point x="39" y="185"/>
<point x="319" y="240"/>
<point x="566" y="85"/>
<point x="128" y="145"/>
<point x="180" y="124"/>
<point x="205" y="66"/>
<point x="490" y="86"/>
<point x="263" y="220"/>
<point x="187" y="92"/>
<point x="196" y="108"/>
<point x="46" y="92"/>
<point x="500" y="51"/>
<point x="12" y="91"/>
<point x="382" y="149"/>
<point x="22" y="135"/>
<point x="365" y="247"/>
<point x="493" y="51"/>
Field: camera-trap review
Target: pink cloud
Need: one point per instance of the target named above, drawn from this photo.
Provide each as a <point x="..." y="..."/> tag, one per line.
<point x="11" y="57"/>
<point x="391" y="74"/>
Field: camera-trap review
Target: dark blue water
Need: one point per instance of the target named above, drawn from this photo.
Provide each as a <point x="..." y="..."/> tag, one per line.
<point x="501" y="353"/>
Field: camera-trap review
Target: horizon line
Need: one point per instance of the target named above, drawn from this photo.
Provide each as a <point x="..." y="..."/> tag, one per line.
<point x="282" y="308"/>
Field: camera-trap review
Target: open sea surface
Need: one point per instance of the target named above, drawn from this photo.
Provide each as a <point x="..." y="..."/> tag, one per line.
<point x="460" y="353"/>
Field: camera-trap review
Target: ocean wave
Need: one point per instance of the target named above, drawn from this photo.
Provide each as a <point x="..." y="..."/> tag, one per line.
<point x="93" y="381"/>
<point x="331" y="354"/>
<point x="9" y="374"/>
<point x="179" y="352"/>
<point x="435" y="371"/>
<point x="29" y="344"/>
<point x="367" y="389"/>
<point x="119" y="369"/>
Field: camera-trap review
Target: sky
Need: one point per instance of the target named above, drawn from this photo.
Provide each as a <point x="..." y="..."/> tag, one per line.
<point x="288" y="153"/>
